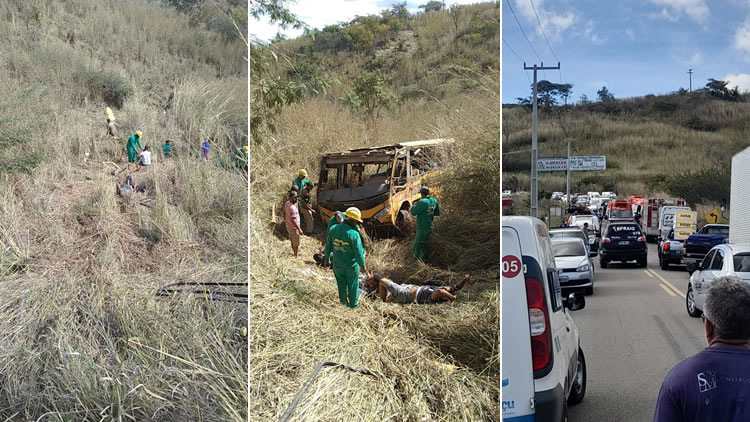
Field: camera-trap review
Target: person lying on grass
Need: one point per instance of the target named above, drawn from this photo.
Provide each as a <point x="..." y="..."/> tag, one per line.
<point x="433" y="291"/>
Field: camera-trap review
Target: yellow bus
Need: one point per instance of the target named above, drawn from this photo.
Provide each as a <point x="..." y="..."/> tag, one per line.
<point x="382" y="182"/>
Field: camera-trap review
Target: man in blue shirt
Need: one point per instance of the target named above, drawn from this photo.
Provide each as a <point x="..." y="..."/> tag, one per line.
<point x="714" y="385"/>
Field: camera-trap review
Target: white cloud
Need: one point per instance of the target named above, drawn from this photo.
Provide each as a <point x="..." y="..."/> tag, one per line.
<point x="696" y="60"/>
<point x="739" y="80"/>
<point x="742" y="39"/>
<point x="629" y="32"/>
<point x="554" y="23"/>
<point x="697" y="10"/>
<point x="589" y="34"/>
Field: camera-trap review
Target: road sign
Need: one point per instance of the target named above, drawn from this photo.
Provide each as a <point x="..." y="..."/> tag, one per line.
<point x="555" y="211"/>
<point x="714" y="217"/>
<point x="583" y="163"/>
<point x="684" y="224"/>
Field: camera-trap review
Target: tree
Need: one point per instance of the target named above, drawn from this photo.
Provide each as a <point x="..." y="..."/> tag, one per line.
<point x="370" y="88"/>
<point x="584" y="99"/>
<point x="604" y="95"/>
<point x="719" y="89"/>
<point x="455" y="11"/>
<point x="709" y="185"/>
<point x="400" y="11"/>
<point x="433" y="6"/>
<point x="550" y="94"/>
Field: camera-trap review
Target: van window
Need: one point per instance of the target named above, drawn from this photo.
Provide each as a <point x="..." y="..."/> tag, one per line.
<point x="718" y="260"/>
<point x="718" y="231"/>
<point x="553" y="281"/>
<point x="330" y="181"/>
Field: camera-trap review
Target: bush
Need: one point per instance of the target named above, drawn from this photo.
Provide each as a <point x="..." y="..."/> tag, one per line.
<point x="109" y="87"/>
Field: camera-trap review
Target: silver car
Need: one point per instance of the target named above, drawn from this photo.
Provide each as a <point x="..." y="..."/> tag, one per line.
<point x="720" y="261"/>
<point x="575" y="268"/>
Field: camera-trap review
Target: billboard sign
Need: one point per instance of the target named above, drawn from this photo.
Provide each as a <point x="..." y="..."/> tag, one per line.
<point x="583" y="163"/>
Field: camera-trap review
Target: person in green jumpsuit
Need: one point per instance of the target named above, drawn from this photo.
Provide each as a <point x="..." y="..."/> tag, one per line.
<point x="425" y="209"/>
<point x="135" y="139"/>
<point x="239" y="158"/>
<point x="344" y="241"/>
<point x="300" y="182"/>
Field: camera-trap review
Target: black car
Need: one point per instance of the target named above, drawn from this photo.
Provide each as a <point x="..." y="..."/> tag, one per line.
<point x="622" y="242"/>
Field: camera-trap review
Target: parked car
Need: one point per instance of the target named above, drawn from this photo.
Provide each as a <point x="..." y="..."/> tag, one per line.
<point x="580" y="220"/>
<point x="669" y="250"/>
<point x="588" y="238"/>
<point x="623" y="241"/>
<point x="594" y="198"/>
<point x="575" y="267"/>
<point x="699" y="243"/>
<point x="721" y="260"/>
<point x="543" y="366"/>
<point x="556" y="196"/>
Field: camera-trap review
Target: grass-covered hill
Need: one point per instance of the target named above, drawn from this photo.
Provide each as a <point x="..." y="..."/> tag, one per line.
<point x="83" y="335"/>
<point x="435" y="362"/>
<point x="678" y="144"/>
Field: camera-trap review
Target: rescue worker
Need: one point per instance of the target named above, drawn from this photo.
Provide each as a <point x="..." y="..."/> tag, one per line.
<point x="336" y="218"/>
<point x="167" y="149"/>
<point x="306" y="208"/>
<point x="425" y="209"/>
<point x="348" y="256"/>
<point x="301" y="181"/>
<point x="205" y="147"/>
<point x="239" y="158"/>
<point x="133" y="140"/>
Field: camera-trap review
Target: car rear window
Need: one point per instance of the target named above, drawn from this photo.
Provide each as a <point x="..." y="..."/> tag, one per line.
<point x="618" y="230"/>
<point x="568" y="249"/>
<point x="718" y="231"/>
<point x="742" y="263"/>
<point x="621" y="214"/>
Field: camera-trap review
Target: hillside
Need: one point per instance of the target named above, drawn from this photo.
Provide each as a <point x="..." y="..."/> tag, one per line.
<point x="653" y="144"/>
<point x="436" y="362"/>
<point x="84" y="336"/>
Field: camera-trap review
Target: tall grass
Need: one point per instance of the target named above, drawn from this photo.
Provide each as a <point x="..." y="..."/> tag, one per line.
<point x="84" y="335"/>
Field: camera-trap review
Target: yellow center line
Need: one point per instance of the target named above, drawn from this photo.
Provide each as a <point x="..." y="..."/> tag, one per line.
<point x="648" y="273"/>
<point x="670" y="285"/>
<point x="669" y="292"/>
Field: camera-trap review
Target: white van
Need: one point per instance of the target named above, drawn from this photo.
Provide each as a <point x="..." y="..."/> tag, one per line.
<point x="543" y="368"/>
<point x="666" y="217"/>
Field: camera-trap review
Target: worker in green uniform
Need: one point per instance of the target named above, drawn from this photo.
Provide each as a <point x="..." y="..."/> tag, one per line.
<point x="348" y="256"/>
<point x="300" y="182"/>
<point x="239" y="157"/>
<point x="135" y="139"/>
<point x="425" y="209"/>
<point x="336" y="218"/>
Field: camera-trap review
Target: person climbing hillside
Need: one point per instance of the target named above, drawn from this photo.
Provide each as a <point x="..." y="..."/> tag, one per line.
<point x="205" y="147"/>
<point x="240" y="158"/>
<point x="291" y="215"/>
<point x="167" y="148"/>
<point x="348" y="256"/>
<point x="425" y="209"/>
<point x="133" y="141"/>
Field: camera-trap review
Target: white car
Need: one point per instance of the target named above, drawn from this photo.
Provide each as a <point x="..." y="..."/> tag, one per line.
<point x="575" y="267"/>
<point x="594" y="198"/>
<point x="543" y="367"/>
<point x="720" y="261"/>
<point x="580" y="220"/>
<point x="556" y="196"/>
<point x="507" y="193"/>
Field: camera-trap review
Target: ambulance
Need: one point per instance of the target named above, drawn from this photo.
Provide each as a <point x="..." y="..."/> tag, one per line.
<point x="543" y="369"/>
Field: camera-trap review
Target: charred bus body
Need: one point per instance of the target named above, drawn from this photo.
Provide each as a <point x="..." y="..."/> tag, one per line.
<point x="383" y="182"/>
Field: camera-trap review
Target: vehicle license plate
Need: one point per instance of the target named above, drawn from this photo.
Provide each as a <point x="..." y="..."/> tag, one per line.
<point x="624" y="242"/>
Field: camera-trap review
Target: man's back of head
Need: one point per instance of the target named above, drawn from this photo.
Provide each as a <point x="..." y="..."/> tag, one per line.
<point x="727" y="308"/>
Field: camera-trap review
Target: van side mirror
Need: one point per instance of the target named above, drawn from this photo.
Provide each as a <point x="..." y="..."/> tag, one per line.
<point x="575" y="302"/>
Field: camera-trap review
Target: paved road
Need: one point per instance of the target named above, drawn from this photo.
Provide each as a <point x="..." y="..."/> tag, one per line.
<point x="634" y="329"/>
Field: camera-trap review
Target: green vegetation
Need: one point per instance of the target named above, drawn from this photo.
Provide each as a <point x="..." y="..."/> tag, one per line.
<point x="438" y="362"/>
<point x="85" y="337"/>
<point x="679" y="144"/>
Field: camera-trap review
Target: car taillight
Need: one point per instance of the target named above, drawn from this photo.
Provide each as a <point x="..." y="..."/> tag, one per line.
<point x="606" y="240"/>
<point x="541" y="334"/>
<point x="643" y="239"/>
<point x="666" y="246"/>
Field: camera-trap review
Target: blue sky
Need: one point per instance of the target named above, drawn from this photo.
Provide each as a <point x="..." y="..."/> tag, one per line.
<point x="319" y="13"/>
<point x="633" y="47"/>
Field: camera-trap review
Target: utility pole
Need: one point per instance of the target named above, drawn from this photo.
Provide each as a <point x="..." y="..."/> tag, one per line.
<point x="690" y="72"/>
<point x="567" y="189"/>
<point x="534" y="179"/>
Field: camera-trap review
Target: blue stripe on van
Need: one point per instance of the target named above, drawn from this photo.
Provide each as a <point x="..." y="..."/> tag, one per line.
<point x="525" y="418"/>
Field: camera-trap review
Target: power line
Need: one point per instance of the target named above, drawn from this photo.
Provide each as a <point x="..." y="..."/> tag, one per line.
<point x="519" y="58"/>
<point x="522" y="31"/>
<point x="545" y="35"/>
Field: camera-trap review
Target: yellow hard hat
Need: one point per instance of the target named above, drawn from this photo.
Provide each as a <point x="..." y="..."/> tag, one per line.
<point x="303" y="172"/>
<point x="138" y="133"/>
<point x="353" y="213"/>
<point x="245" y="148"/>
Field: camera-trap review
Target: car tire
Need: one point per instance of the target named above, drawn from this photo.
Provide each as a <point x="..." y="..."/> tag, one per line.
<point x="664" y="264"/>
<point x="642" y="263"/>
<point x="589" y="291"/>
<point x="692" y="310"/>
<point x="578" y="389"/>
<point x="602" y="263"/>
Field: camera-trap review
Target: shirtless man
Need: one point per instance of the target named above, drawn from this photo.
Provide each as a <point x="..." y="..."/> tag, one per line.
<point x="431" y="292"/>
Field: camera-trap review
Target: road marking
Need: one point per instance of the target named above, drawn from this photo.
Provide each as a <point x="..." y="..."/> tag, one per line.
<point x="669" y="292"/>
<point x="670" y="285"/>
<point x="648" y="273"/>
